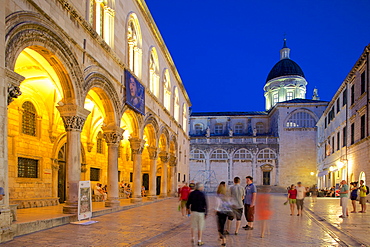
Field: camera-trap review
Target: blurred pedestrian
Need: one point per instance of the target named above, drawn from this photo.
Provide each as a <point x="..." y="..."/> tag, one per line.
<point x="292" y="198"/>
<point x="249" y="203"/>
<point x="184" y="195"/>
<point x="314" y="192"/>
<point x="197" y="208"/>
<point x="263" y="212"/>
<point x="237" y="193"/>
<point x="343" y="194"/>
<point x="223" y="209"/>
<point x="363" y="193"/>
<point x="354" y="191"/>
<point x="301" y="194"/>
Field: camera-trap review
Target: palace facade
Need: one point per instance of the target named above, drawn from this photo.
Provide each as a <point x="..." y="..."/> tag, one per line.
<point x="277" y="146"/>
<point x="64" y="110"/>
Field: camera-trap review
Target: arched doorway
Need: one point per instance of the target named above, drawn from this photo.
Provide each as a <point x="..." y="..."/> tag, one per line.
<point x="62" y="174"/>
<point x="266" y="174"/>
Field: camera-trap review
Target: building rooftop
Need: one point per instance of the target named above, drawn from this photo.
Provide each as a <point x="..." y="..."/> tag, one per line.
<point x="230" y="113"/>
<point x="304" y="101"/>
<point x="285" y="67"/>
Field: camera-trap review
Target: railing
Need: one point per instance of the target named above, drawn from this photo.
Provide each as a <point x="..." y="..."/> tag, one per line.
<point x="234" y="140"/>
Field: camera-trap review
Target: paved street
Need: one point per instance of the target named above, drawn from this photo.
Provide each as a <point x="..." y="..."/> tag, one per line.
<point x="160" y="224"/>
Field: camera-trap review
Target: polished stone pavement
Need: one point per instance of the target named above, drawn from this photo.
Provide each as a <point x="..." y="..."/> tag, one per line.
<point x="160" y="224"/>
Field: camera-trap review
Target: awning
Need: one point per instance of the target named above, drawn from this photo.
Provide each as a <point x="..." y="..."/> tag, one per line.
<point x="323" y="173"/>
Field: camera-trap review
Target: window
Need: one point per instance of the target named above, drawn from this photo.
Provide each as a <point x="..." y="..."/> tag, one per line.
<point x="94" y="174"/>
<point x="333" y="143"/>
<point x="344" y="97"/>
<point x="27" y="168"/>
<point x="301" y="120"/>
<point x="352" y="94"/>
<point x="338" y="140"/>
<point x="198" y="129"/>
<point x="99" y="143"/>
<point x="326" y="122"/>
<point x="260" y="127"/>
<point x="134" y="45"/>
<point x="289" y="96"/>
<point x="154" y="72"/>
<point x="197" y="155"/>
<point x="131" y="177"/>
<point x="275" y="99"/>
<point x="242" y="154"/>
<point x="352" y="133"/>
<point x="119" y="176"/>
<point x="238" y="129"/>
<point x="184" y="117"/>
<point x="266" y="154"/>
<point x="29" y="119"/>
<point x="102" y="20"/>
<point x="167" y="90"/>
<point x="363" y="83"/>
<point x="218" y="129"/>
<point x="363" y="126"/>
<point x="338" y="105"/>
<point x="219" y="155"/>
<point x="331" y="115"/>
<point x="176" y="104"/>
<point x="345" y="136"/>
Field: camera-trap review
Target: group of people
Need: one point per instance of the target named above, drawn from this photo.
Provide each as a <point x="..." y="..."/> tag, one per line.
<point x="230" y="204"/>
<point x="126" y="188"/>
<point x="352" y="192"/>
<point x="100" y="190"/>
<point x="296" y="195"/>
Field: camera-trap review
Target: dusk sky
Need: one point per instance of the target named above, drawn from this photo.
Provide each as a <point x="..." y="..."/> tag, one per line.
<point x="224" y="50"/>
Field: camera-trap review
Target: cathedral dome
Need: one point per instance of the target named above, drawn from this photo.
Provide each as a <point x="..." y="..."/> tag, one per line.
<point x="285" y="67"/>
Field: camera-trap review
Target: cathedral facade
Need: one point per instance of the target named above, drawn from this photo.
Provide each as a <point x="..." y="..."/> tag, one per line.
<point x="89" y="91"/>
<point x="277" y="146"/>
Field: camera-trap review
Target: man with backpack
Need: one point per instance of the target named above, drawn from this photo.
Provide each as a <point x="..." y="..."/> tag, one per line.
<point x="364" y="190"/>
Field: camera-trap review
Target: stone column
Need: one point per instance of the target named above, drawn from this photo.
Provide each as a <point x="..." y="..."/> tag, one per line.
<point x="55" y="168"/>
<point x="137" y="146"/>
<point x="113" y="136"/>
<point x="74" y="117"/>
<point x="173" y="163"/>
<point x="153" y="155"/>
<point x="164" y="179"/>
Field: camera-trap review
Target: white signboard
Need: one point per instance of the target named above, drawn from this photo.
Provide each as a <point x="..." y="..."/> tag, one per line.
<point x="84" y="200"/>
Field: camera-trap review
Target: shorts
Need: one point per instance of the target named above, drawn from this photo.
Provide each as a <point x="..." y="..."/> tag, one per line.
<point x="353" y="198"/>
<point x="183" y="203"/>
<point x="292" y="201"/>
<point x="249" y="212"/>
<point x="238" y="213"/>
<point x="300" y="204"/>
<point x="197" y="220"/>
<point x="363" y="200"/>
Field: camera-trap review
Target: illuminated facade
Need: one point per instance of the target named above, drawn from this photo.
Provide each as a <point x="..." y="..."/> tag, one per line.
<point x="65" y="118"/>
<point x="277" y="146"/>
<point x="343" y="130"/>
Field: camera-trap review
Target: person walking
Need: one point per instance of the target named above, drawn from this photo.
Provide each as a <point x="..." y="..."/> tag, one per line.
<point x="354" y="190"/>
<point x="363" y="192"/>
<point x="343" y="194"/>
<point x="292" y="198"/>
<point x="249" y="203"/>
<point x="223" y="209"/>
<point x="301" y="193"/>
<point x="197" y="208"/>
<point x="184" y="195"/>
<point x="237" y="193"/>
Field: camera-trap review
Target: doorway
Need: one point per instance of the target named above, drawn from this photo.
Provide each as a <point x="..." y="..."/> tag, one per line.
<point x="62" y="174"/>
<point x="158" y="185"/>
<point x="146" y="181"/>
<point x="266" y="178"/>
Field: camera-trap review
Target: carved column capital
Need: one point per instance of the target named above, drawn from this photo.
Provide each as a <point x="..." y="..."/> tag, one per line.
<point x="153" y="153"/>
<point x="13" y="80"/>
<point x="173" y="160"/>
<point x="73" y="116"/>
<point x="137" y="145"/>
<point x="112" y="134"/>
<point x="164" y="156"/>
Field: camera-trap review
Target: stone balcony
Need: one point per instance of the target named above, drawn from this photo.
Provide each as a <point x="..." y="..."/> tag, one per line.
<point x="234" y="140"/>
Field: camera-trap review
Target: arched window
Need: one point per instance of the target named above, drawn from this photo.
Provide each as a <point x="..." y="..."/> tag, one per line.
<point x="29" y="119"/>
<point x="197" y="154"/>
<point x="243" y="154"/>
<point x="219" y="129"/>
<point x="301" y="120"/>
<point x="260" y="127"/>
<point x="238" y="129"/>
<point x="184" y="117"/>
<point x="102" y="19"/>
<point x="154" y="72"/>
<point x="167" y="90"/>
<point x="99" y="143"/>
<point x="198" y="129"/>
<point x="176" y="104"/>
<point x="266" y="154"/>
<point x="219" y="154"/>
<point x="134" y="45"/>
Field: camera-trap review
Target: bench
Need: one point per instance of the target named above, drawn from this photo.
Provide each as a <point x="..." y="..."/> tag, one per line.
<point x="35" y="202"/>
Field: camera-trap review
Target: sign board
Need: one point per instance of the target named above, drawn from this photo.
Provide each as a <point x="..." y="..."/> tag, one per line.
<point x="135" y="93"/>
<point x="84" y="200"/>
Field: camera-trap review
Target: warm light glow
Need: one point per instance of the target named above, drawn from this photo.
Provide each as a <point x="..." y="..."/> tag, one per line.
<point x="340" y="165"/>
<point x="332" y="168"/>
<point x="312" y="173"/>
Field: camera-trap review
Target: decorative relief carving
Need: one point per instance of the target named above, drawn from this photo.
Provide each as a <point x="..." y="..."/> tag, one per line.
<point x="164" y="156"/>
<point x="137" y="145"/>
<point x="153" y="153"/>
<point x="90" y="146"/>
<point x="73" y="116"/>
<point x="13" y="93"/>
<point x="73" y="123"/>
<point x="173" y="160"/>
<point x="112" y="134"/>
